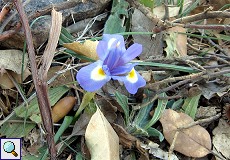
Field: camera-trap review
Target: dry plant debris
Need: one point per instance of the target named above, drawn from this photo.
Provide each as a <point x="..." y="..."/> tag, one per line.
<point x="193" y="142"/>
<point x="10" y="65"/>
<point x="101" y="138"/>
<point x="88" y="48"/>
<point x="221" y="139"/>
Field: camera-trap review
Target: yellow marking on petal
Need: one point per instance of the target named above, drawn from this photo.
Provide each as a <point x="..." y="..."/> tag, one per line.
<point x="132" y="76"/>
<point x="101" y="72"/>
<point x="98" y="74"/>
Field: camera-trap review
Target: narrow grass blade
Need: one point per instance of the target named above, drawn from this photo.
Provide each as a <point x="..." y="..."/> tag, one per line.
<point x="169" y="66"/>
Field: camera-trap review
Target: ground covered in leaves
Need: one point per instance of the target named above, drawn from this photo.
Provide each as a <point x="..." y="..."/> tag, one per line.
<point x="182" y="112"/>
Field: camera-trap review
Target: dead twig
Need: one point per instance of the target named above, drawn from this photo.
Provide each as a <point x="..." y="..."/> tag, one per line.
<point x="216" y="74"/>
<point x="40" y="80"/>
<point x="9" y="18"/>
<point x="218" y="57"/>
<point x="204" y="15"/>
<point x="174" y="79"/>
<point x="160" y="26"/>
<point x="57" y="7"/>
<point x="217" y="46"/>
<point x="185" y="79"/>
<point x="41" y="92"/>
<point x="174" y="86"/>
<point x="196" y="26"/>
<point x="5" y="35"/>
<point x="173" y="144"/>
<point x="5" y="10"/>
<point x="4" y="107"/>
<point x="201" y="121"/>
<point x="158" y="22"/>
<point x="145" y="104"/>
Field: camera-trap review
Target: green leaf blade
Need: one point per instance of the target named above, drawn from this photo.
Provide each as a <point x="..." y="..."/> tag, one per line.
<point x="123" y="102"/>
<point x="190" y="105"/>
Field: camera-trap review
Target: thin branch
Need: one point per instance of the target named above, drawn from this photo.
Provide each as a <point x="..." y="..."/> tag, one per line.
<point x="57" y="7"/>
<point x="203" y="15"/>
<point x="201" y="121"/>
<point x="158" y="22"/>
<point x="39" y="83"/>
<point x="174" y="79"/>
<point x="145" y="104"/>
<point x="5" y="35"/>
<point x="185" y="79"/>
<point x="173" y="86"/>
<point x="173" y="144"/>
<point x="5" y="10"/>
<point x="9" y="18"/>
<point x="218" y="47"/>
<point x="196" y="26"/>
<point x="218" y="57"/>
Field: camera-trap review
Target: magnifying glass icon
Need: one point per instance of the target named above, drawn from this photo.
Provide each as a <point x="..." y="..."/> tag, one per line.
<point x="9" y="147"/>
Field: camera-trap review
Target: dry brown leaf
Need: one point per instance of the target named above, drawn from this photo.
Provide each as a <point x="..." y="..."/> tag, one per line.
<point x="159" y="11"/>
<point x="88" y="48"/>
<point x="129" y="141"/>
<point x="101" y="139"/>
<point x="125" y="138"/>
<point x="147" y="75"/>
<point x="193" y="142"/>
<point x="107" y="108"/>
<point x="180" y="39"/>
<point x="12" y="60"/>
<point x="64" y="78"/>
<point x="153" y="45"/>
<point x="217" y="4"/>
<point x="5" y="81"/>
<point x="205" y="112"/>
<point x="221" y="139"/>
<point x="81" y="124"/>
<point x="34" y="149"/>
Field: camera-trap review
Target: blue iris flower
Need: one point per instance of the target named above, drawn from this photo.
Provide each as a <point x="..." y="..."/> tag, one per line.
<point x="114" y="64"/>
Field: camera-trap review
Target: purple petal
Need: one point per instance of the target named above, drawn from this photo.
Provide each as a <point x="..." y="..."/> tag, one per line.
<point x="92" y="77"/>
<point x="109" y="38"/>
<point x="110" y="44"/>
<point x="122" y="69"/>
<point x="102" y="50"/>
<point x="113" y="56"/>
<point x="132" y="52"/>
<point x="132" y="81"/>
